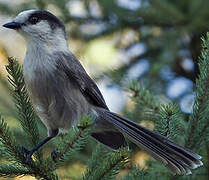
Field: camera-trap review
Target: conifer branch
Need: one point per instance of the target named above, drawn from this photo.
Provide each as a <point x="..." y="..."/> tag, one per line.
<point x="143" y="96"/>
<point x="14" y="154"/>
<point x="94" y="162"/>
<point x="198" y="126"/>
<point x="8" y="143"/>
<point x="171" y="121"/>
<point x="112" y="163"/>
<point x="10" y="171"/>
<point x="135" y="173"/>
<point x="22" y="102"/>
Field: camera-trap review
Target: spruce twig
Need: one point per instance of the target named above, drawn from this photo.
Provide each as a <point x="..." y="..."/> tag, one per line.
<point x="8" y="143"/>
<point x="171" y="121"/>
<point x="114" y="162"/>
<point x="135" y="173"/>
<point x="13" y="153"/>
<point x="26" y="114"/>
<point x="198" y="124"/>
<point x="11" y="171"/>
<point x="143" y="96"/>
<point x="94" y="162"/>
<point x="108" y="165"/>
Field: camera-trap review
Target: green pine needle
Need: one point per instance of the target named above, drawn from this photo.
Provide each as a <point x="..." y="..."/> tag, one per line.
<point x="99" y="153"/>
<point x="22" y="102"/>
<point x="170" y="123"/>
<point x="11" y="171"/>
<point x="8" y="143"/>
<point x="135" y="173"/>
<point x="143" y="96"/>
<point x="109" y="166"/>
<point x="198" y="129"/>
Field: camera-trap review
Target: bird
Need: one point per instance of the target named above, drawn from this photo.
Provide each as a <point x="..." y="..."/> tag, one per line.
<point x="61" y="92"/>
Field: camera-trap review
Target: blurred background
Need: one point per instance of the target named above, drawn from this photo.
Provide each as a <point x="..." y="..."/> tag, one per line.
<point x="154" y="42"/>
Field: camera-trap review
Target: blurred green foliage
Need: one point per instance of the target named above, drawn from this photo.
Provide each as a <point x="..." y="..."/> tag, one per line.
<point x="167" y="34"/>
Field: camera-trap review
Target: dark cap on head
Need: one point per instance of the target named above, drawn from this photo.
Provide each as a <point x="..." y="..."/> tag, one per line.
<point x="45" y="15"/>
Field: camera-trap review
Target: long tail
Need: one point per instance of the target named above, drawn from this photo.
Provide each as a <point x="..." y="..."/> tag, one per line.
<point x="173" y="156"/>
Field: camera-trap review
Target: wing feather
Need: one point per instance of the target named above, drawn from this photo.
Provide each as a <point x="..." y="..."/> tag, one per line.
<point x="69" y="64"/>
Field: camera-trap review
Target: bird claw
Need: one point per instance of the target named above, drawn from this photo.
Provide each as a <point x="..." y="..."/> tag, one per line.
<point x="54" y="155"/>
<point x="28" y="155"/>
<point x="25" y="150"/>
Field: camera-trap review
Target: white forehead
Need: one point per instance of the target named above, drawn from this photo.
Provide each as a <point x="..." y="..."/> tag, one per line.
<point x="23" y="16"/>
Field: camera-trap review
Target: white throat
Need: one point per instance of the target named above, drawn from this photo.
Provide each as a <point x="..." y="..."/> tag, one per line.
<point x="40" y="53"/>
<point x="48" y="44"/>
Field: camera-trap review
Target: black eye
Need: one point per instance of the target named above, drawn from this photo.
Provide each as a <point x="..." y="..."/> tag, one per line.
<point x="33" y="20"/>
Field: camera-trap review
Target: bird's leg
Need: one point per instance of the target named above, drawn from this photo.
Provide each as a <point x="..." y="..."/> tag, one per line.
<point x="54" y="153"/>
<point x="29" y="153"/>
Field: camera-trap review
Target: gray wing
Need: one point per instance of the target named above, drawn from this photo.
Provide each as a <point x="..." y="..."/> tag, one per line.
<point x="68" y="63"/>
<point x="76" y="74"/>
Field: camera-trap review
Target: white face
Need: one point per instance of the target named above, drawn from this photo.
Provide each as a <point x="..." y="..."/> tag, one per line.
<point x="32" y="26"/>
<point x="23" y="16"/>
<point x="40" y="28"/>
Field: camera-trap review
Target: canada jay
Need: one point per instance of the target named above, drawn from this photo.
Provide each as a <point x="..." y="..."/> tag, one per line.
<point x="62" y="92"/>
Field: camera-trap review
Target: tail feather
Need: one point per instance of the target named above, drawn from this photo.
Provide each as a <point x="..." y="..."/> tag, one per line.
<point x="156" y="137"/>
<point x="176" y="158"/>
<point x="161" y="141"/>
<point x="158" y="154"/>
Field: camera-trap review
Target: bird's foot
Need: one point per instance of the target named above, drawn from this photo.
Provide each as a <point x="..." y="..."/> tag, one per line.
<point x="55" y="155"/>
<point x="28" y="154"/>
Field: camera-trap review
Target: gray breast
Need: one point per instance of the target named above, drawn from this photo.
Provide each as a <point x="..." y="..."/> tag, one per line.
<point x="58" y="102"/>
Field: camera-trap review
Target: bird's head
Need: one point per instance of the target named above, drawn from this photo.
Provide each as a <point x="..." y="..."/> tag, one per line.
<point x="39" y="26"/>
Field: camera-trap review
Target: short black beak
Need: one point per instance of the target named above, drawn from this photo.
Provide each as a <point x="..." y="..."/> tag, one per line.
<point x="12" y="25"/>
